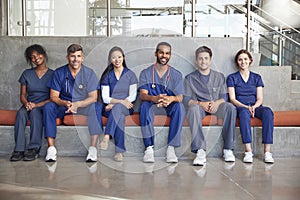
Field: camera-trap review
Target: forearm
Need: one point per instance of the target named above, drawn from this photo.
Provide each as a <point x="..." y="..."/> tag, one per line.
<point x="238" y="104"/>
<point x="42" y="103"/>
<point x="177" y="98"/>
<point x="58" y="101"/>
<point x="85" y="102"/>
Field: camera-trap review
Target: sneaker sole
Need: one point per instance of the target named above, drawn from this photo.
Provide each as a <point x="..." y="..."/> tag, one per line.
<point x="172" y="161"/>
<point x="90" y="160"/>
<point x="50" y="160"/>
<point x="149" y="161"/>
<point x="29" y="159"/>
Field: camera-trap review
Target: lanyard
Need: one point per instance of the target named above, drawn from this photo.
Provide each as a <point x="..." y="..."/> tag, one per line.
<point x="166" y="81"/>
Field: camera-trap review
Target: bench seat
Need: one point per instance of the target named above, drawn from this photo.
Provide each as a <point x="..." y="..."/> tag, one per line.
<point x="281" y="118"/>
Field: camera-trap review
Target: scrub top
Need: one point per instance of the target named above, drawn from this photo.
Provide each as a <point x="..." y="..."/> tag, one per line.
<point x="205" y="88"/>
<point x="245" y="92"/>
<point x="37" y="90"/>
<point x="71" y="89"/>
<point x="119" y="89"/>
<point x="171" y="82"/>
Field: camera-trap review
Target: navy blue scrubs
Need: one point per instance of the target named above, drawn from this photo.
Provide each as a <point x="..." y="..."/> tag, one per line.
<point x="37" y="91"/>
<point x="245" y="93"/>
<point x="171" y="84"/>
<point x="118" y="89"/>
<point x="73" y="90"/>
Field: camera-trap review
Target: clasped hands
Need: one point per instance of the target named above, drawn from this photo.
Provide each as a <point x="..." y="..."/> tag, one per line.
<point x="163" y="100"/>
<point x="29" y="106"/>
<point x="71" y="107"/>
<point x="210" y="106"/>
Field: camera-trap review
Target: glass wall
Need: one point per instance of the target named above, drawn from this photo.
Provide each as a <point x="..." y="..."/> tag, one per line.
<point x="215" y="18"/>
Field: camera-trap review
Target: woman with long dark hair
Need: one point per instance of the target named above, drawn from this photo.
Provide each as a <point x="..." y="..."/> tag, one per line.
<point x="118" y="91"/>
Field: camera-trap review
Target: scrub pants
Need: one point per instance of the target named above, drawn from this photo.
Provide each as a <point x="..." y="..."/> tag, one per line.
<point x="116" y="124"/>
<point x="52" y="111"/>
<point x="196" y="113"/>
<point x="263" y="113"/>
<point x="36" y="128"/>
<point x="175" y="111"/>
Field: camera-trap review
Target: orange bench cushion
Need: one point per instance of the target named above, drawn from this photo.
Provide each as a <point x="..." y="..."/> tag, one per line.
<point x="281" y="118"/>
<point x="134" y="120"/>
<point x="8" y="118"/>
<point x="287" y="118"/>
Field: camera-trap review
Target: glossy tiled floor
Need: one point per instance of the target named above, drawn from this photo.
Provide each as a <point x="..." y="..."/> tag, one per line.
<point x="72" y="178"/>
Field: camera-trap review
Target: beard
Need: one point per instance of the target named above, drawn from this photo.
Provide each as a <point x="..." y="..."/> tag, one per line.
<point x="159" y="62"/>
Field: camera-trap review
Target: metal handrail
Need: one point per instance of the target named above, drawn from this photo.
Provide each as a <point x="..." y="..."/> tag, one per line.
<point x="268" y="26"/>
<point x="276" y="19"/>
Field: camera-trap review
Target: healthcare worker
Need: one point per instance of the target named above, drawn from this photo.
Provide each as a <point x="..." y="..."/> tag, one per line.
<point x="73" y="89"/>
<point x="161" y="91"/>
<point x="246" y="93"/>
<point x="118" y="92"/>
<point x="206" y="94"/>
<point x="34" y="94"/>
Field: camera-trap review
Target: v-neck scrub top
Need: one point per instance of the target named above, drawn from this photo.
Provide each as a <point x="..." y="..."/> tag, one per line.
<point x="74" y="89"/>
<point x="245" y="92"/>
<point x="120" y="89"/>
<point x="170" y="84"/>
<point x="37" y="90"/>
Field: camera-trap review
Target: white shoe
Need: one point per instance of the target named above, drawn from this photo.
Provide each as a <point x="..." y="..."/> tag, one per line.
<point x="228" y="155"/>
<point x="149" y="155"/>
<point x="92" y="155"/>
<point x="248" y="157"/>
<point x="200" y="159"/>
<point x="268" y="158"/>
<point x="171" y="156"/>
<point x="51" y="154"/>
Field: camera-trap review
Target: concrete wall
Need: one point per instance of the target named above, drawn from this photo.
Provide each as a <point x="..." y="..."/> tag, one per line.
<point x="139" y="54"/>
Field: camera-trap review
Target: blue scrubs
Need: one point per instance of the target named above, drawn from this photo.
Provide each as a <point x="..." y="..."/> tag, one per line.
<point x="171" y="84"/>
<point x="245" y="93"/>
<point x="37" y="91"/>
<point x="73" y="90"/>
<point x="118" y="89"/>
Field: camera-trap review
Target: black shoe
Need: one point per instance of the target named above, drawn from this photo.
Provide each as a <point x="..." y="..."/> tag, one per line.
<point x="17" y="155"/>
<point x="31" y="154"/>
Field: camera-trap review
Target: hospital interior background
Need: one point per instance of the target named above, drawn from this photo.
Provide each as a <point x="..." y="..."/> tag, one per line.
<point x="269" y="29"/>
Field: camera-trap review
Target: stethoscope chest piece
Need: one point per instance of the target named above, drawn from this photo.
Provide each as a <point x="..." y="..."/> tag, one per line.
<point x="80" y="86"/>
<point x="153" y="85"/>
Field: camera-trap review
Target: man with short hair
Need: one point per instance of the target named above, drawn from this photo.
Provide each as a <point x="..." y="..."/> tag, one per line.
<point x="206" y="94"/>
<point x="161" y="91"/>
<point x="73" y="89"/>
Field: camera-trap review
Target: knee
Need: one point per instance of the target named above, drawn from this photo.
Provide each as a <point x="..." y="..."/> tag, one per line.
<point x="178" y="107"/>
<point x="195" y="109"/>
<point x="268" y="113"/>
<point x="117" y="107"/>
<point x="230" y="108"/>
<point x="22" y="113"/>
<point x="35" y="112"/>
<point x="243" y="112"/>
<point x="145" y="107"/>
<point x="50" y="106"/>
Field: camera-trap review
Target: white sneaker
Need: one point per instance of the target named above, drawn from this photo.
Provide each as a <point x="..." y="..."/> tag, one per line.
<point x="268" y="158"/>
<point x="92" y="155"/>
<point x="200" y="159"/>
<point x="228" y="155"/>
<point x="51" y="154"/>
<point x="248" y="157"/>
<point x="171" y="156"/>
<point x="149" y="155"/>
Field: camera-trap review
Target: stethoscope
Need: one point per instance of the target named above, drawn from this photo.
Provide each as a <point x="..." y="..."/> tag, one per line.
<point x="80" y="86"/>
<point x="166" y="81"/>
